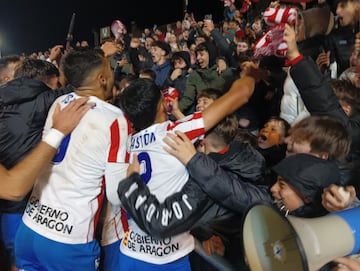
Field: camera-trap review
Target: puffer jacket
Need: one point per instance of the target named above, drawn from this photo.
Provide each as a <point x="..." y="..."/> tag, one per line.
<point x="24" y="104"/>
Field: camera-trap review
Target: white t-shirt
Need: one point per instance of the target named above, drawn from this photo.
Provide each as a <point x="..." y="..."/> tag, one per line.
<point x="164" y="175"/>
<point x="67" y="197"/>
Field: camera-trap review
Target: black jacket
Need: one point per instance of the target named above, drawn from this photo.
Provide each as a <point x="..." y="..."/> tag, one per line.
<point x="24" y="104"/>
<point x="225" y="187"/>
<point x="320" y="99"/>
<point x="230" y="185"/>
<point x="340" y="43"/>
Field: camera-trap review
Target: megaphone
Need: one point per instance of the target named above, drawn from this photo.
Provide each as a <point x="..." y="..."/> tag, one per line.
<point x="273" y="242"/>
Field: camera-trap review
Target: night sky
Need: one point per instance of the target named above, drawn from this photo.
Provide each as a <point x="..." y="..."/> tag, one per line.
<point x="31" y="26"/>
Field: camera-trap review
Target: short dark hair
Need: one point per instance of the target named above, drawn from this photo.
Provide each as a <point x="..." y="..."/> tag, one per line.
<point x="346" y="92"/>
<point x="148" y="71"/>
<point x="5" y="62"/>
<point x="36" y="69"/>
<point x="162" y="45"/>
<point x="139" y="101"/>
<point x="211" y="93"/>
<point x="286" y="125"/>
<point x="77" y="65"/>
<point x="224" y="132"/>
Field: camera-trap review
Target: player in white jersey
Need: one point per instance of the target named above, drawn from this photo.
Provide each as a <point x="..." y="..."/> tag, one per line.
<point x="146" y="109"/>
<point x="61" y="217"/>
<point x="12" y="184"/>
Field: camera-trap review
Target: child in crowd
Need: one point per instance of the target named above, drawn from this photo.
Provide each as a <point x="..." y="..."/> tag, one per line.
<point x="221" y="234"/>
<point x="204" y="99"/>
<point x="352" y="73"/>
<point x="309" y="170"/>
<point x="320" y="136"/>
<point x="207" y="97"/>
<point x="337" y="99"/>
<point x="206" y="76"/>
<point x="271" y="140"/>
<point x="237" y="158"/>
<point x="181" y="68"/>
<point x="301" y="179"/>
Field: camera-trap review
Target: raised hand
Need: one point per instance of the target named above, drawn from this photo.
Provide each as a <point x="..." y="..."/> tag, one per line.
<point x="290" y="39"/>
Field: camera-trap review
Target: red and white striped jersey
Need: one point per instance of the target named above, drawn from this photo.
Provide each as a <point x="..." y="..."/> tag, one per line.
<point x="67" y="197"/>
<point x="164" y="174"/>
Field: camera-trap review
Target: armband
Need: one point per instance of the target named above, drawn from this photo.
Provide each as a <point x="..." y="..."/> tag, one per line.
<point x="53" y="138"/>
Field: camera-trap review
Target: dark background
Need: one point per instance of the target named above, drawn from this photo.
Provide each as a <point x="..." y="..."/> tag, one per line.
<point x="32" y="26"/>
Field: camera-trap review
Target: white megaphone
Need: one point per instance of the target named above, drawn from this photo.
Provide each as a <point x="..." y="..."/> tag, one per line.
<point x="275" y="243"/>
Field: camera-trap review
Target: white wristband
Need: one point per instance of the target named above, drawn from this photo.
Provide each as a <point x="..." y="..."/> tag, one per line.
<point x="53" y="138"/>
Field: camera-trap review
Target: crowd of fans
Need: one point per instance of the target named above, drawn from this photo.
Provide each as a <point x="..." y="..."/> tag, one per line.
<point x="271" y="120"/>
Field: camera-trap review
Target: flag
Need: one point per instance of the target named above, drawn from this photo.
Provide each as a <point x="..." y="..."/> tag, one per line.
<point x="272" y="42"/>
<point x="274" y="16"/>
